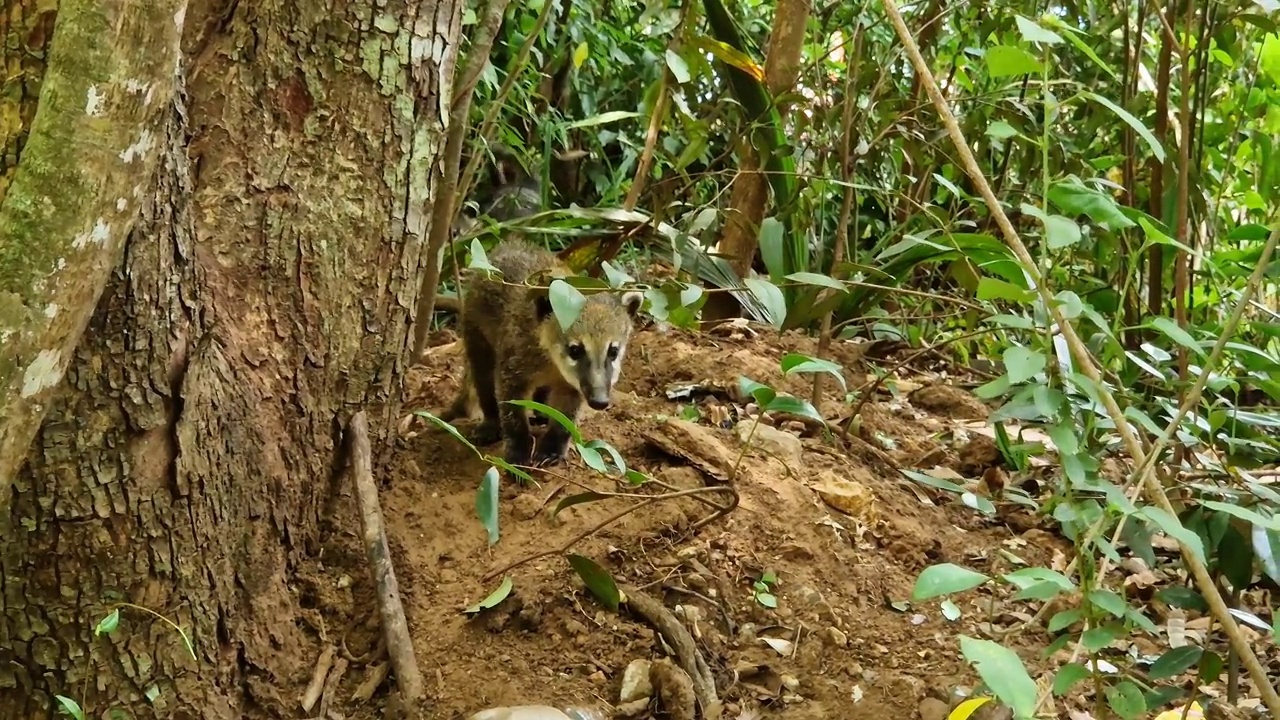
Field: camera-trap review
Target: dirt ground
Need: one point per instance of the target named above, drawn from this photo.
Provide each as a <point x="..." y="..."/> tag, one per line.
<point x="853" y="644"/>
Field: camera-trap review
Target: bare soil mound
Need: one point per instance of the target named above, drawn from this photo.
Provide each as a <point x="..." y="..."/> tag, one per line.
<point x="852" y="645"/>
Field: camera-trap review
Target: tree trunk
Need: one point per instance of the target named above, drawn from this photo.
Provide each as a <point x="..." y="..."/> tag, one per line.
<point x="747" y="202"/>
<point x="265" y="294"/>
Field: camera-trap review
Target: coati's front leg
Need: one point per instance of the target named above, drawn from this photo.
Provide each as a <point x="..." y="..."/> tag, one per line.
<point x="513" y="384"/>
<point x="555" y="442"/>
<point x="482" y="366"/>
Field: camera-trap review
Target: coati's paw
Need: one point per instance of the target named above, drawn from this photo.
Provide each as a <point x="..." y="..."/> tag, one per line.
<point x="486" y="433"/>
<point x="551" y="451"/>
<point x="517" y="453"/>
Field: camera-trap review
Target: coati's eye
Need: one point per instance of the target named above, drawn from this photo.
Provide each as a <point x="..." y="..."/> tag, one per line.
<point x="576" y="351"/>
<point x="613" y="352"/>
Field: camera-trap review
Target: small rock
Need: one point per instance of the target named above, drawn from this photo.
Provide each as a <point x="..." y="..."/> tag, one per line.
<point x="633" y="709"/>
<point x="520" y="712"/>
<point x="597" y="677"/>
<point x="835" y="637"/>
<point x="933" y="709"/>
<point x="790" y="682"/>
<point x="784" y="445"/>
<point x="635" y="683"/>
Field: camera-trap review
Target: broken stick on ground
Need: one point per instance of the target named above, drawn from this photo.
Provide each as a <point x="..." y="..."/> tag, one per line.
<point x="399" y="647"/>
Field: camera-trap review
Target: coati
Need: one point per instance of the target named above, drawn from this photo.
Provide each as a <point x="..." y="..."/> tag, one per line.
<point x="516" y="350"/>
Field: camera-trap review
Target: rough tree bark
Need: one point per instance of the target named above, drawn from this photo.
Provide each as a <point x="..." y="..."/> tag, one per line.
<point x="265" y="294"/>
<point x="748" y="201"/>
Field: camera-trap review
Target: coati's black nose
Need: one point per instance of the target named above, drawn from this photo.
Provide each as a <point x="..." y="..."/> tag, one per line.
<point x="598" y="403"/>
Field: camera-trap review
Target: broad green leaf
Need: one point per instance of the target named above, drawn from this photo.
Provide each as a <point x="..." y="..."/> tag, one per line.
<point x="1175" y="662"/>
<point x="1269" y="57"/>
<point x="602" y="119"/>
<point x="1266" y="546"/>
<point x="771" y="247"/>
<point x="1175" y="333"/>
<point x="1271" y="522"/>
<point x="554" y="414"/>
<point x="934" y="482"/>
<point x="487" y="504"/>
<point x="1174" y="529"/>
<point x="796" y="363"/>
<point x="771" y="298"/>
<point x="1127" y="700"/>
<point x="1067" y="677"/>
<point x="950" y="610"/>
<point x="1211" y="666"/>
<point x="762" y="394"/>
<point x="1181" y="596"/>
<point x="1075" y="198"/>
<point x="494" y="597"/>
<point x="615" y="277"/>
<point x="1061" y="232"/>
<point x="1033" y="31"/>
<point x="1006" y="60"/>
<point x="809" y="278"/>
<point x="479" y="260"/>
<point x="1022" y="363"/>
<point x="598" y="581"/>
<point x="792" y="405"/>
<point x="1001" y="130"/>
<point x="1028" y="577"/>
<point x="1064" y="619"/>
<point x="1132" y="122"/>
<point x="945" y="579"/>
<point x="580" y="54"/>
<point x="977" y="502"/>
<point x="1097" y="638"/>
<point x="591" y="457"/>
<point x="566" y="302"/>
<point x="1039" y="591"/>
<point x="108" y="624"/>
<point x="993" y="289"/>
<point x="1108" y="601"/>
<point x="678" y="67"/>
<point x="1002" y="671"/>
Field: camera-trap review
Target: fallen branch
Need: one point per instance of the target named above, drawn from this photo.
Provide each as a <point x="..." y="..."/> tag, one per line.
<point x="316" y="686"/>
<point x="399" y="645"/>
<point x="1145" y="476"/>
<point x="678" y="637"/>
<point x="724" y="510"/>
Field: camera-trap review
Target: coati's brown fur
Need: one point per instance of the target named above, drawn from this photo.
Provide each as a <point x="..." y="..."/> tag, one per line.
<point x="516" y="350"/>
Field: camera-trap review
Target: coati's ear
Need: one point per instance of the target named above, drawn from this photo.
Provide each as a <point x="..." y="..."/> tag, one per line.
<point x="632" y="301"/>
<point x="542" y="306"/>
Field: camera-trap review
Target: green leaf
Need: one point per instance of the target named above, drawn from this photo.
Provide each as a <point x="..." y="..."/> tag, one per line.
<point x="602" y="119"/>
<point x="447" y="427"/>
<point x="1075" y="198"/>
<point x="1175" y="662"/>
<point x="597" y="580"/>
<point x="1061" y="232"/>
<point x="1126" y="700"/>
<point x="554" y="414"/>
<point x="1266" y="546"/>
<point x="1006" y="60"/>
<point x="108" y="624"/>
<point x="1034" y="32"/>
<point x="1028" y="577"/>
<point x="578" y="499"/>
<point x="817" y="279"/>
<point x="70" y="707"/>
<point x="487" y="504"/>
<point x="950" y="610"/>
<point x="993" y="289"/>
<point x="792" y="405"/>
<point x="762" y="394"/>
<point x="1022" y="364"/>
<point x="1211" y="666"/>
<point x="1173" y="528"/>
<point x="1067" y="677"/>
<point x="1183" y="597"/>
<point x="772" y="251"/>
<point x="796" y="363"/>
<point x="1001" y="130"/>
<point x="1269" y="57"/>
<point x="771" y="298"/>
<point x="1002" y="671"/>
<point x="1269" y="522"/>
<point x="1039" y="591"/>
<point x="580" y="54"/>
<point x="1175" y="333"/>
<point x="566" y="302"/>
<point x="479" y="260"/>
<point x="615" y="277"/>
<point x="1132" y="122"/>
<point x="1096" y="638"/>
<point x="1235" y="558"/>
<point x="1108" y="601"/>
<point x="945" y="579"/>
<point x="494" y="597"/>
<point x="678" y="67"/>
<point x="1065" y="619"/>
<point x="767" y="599"/>
<point x="591" y="457"/>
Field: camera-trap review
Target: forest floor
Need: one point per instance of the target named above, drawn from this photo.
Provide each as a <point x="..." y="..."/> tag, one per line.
<point x="852" y="645"/>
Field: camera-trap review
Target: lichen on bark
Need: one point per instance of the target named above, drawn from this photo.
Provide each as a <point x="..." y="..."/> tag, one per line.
<point x="61" y="221"/>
